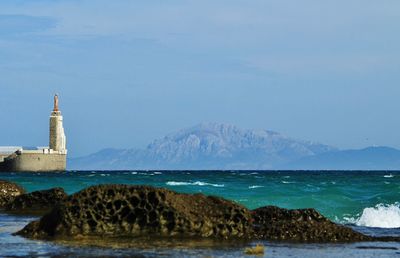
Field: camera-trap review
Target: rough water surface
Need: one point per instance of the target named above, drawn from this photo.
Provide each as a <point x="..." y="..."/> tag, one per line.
<point x="366" y="200"/>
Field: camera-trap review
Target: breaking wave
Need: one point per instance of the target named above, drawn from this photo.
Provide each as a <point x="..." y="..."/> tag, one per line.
<point x="199" y="183"/>
<point x="286" y="182"/>
<point x="255" y="186"/>
<point x="380" y="216"/>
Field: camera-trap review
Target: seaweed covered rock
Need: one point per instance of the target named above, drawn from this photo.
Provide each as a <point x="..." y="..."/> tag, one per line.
<point x="37" y="203"/>
<point x="8" y="191"/>
<point x="122" y="210"/>
<point x="304" y="225"/>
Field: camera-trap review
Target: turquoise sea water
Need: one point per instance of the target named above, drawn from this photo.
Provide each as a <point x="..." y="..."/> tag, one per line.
<point x="367" y="200"/>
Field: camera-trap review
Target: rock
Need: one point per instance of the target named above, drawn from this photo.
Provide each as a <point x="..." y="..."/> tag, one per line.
<point x="36" y="203"/>
<point x="8" y="191"/>
<point x="121" y="210"/>
<point x="304" y="225"/>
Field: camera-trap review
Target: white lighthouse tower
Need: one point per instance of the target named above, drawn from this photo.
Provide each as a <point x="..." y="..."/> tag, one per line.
<point x="57" y="136"/>
<point x="45" y="159"/>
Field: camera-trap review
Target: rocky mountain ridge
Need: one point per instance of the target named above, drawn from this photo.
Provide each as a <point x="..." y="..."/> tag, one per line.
<point x="207" y="146"/>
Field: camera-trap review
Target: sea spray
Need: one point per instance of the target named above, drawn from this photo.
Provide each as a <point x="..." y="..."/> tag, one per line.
<point x="380" y="216"/>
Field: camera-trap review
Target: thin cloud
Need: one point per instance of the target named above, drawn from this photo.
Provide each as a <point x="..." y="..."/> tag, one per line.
<point x="23" y="24"/>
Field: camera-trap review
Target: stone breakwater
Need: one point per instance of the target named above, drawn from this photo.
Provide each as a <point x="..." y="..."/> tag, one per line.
<point x="136" y="211"/>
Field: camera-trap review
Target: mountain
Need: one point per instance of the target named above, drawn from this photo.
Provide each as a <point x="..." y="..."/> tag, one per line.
<point x="207" y="146"/>
<point x="222" y="146"/>
<point x="371" y="158"/>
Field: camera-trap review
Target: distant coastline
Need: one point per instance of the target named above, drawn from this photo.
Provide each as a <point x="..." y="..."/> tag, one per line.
<point x="214" y="146"/>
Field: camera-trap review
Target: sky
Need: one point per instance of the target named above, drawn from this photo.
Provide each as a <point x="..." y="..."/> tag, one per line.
<point x="128" y="72"/>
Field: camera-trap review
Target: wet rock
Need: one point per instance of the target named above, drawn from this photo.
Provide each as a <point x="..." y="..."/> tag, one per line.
<point x="36" y="203"/>
<point x="121" y="210"/>
<point x="303" y="225"/>
<point x="8" y="191"/>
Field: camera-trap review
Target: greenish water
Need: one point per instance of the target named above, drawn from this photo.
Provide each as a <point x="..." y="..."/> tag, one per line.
<point x="368" y="200"/>
<point x="337" y="195"/>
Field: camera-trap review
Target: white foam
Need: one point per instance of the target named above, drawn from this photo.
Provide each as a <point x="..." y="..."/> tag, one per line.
<point x="287" y="182"/>
<point x="157" y="173"/>
<point x="380" y="216"/>
<point x="199" y="183"/>
<point x="388" y="176"/>
<point x="255" y="186"/>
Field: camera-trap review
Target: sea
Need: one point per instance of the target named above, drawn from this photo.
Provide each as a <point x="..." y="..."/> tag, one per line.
<point x="367" y="201"/>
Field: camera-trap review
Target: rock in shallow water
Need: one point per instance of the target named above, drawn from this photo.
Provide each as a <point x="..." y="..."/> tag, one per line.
<point x="36" y="203"/>
<point x="144" y="211"/>
<point x="304" y="225"/>
<point x="8" y="191"/>
<point x="121" y="210"/>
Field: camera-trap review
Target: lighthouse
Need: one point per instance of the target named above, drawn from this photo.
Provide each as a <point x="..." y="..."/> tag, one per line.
<point x="57" y="136"/>
<point x="43" y="159"/>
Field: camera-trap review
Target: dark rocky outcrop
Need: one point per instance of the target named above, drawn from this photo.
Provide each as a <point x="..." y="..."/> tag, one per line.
<point x="121" y="210"/>
<point x="303" y="225"/>
<point x="8" y="191"/>
<point x="36" y="203"/>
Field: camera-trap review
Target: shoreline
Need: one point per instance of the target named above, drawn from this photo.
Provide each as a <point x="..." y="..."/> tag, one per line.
<point x="36" y="248"/>
<point x="162" y="178"/>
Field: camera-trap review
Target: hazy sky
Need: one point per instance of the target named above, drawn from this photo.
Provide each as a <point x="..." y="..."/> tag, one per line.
<point x="131" y="71"/>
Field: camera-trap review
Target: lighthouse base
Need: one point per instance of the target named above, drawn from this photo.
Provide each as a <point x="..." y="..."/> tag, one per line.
<point x="34" y="162"/>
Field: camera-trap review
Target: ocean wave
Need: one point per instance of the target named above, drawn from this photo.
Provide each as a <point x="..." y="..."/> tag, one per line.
<point x="198" y="183"/>
<point x="255" y="186"/>
<point x="388" y="176"/>
<point x="287" y="182"/>
<point x="380" y="216"/>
